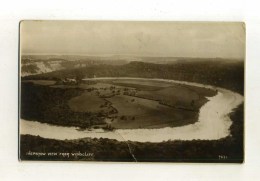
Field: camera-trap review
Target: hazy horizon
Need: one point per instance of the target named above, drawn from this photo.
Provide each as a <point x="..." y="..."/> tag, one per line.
<point x="136" y="39"/>
<point x="124" y="55"/>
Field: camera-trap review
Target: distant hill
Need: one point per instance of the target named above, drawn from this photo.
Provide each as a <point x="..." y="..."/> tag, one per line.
<point x="39" y="64"/>
<point x="222" y="73"/>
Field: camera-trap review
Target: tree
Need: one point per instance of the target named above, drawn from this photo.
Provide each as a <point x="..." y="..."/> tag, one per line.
<point x="79" y="75"/>
<point x="192" y="103"/>
<point x="123" y="117"/>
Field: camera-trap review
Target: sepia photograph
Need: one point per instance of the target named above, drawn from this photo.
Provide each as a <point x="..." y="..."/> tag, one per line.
<point x="131" y="91"/>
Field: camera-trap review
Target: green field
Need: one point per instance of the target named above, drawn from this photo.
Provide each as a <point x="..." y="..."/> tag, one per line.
<point x="86" y="102"/>
<point x="177" y="96"/>
<point x="171" y="94"/>
<point x="144" y="113"/>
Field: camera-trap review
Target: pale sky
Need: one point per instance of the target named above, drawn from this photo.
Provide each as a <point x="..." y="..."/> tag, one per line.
<point x="168" y="39"/>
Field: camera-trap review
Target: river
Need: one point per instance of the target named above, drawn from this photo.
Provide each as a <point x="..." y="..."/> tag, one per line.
<point x="213" y="122"/>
